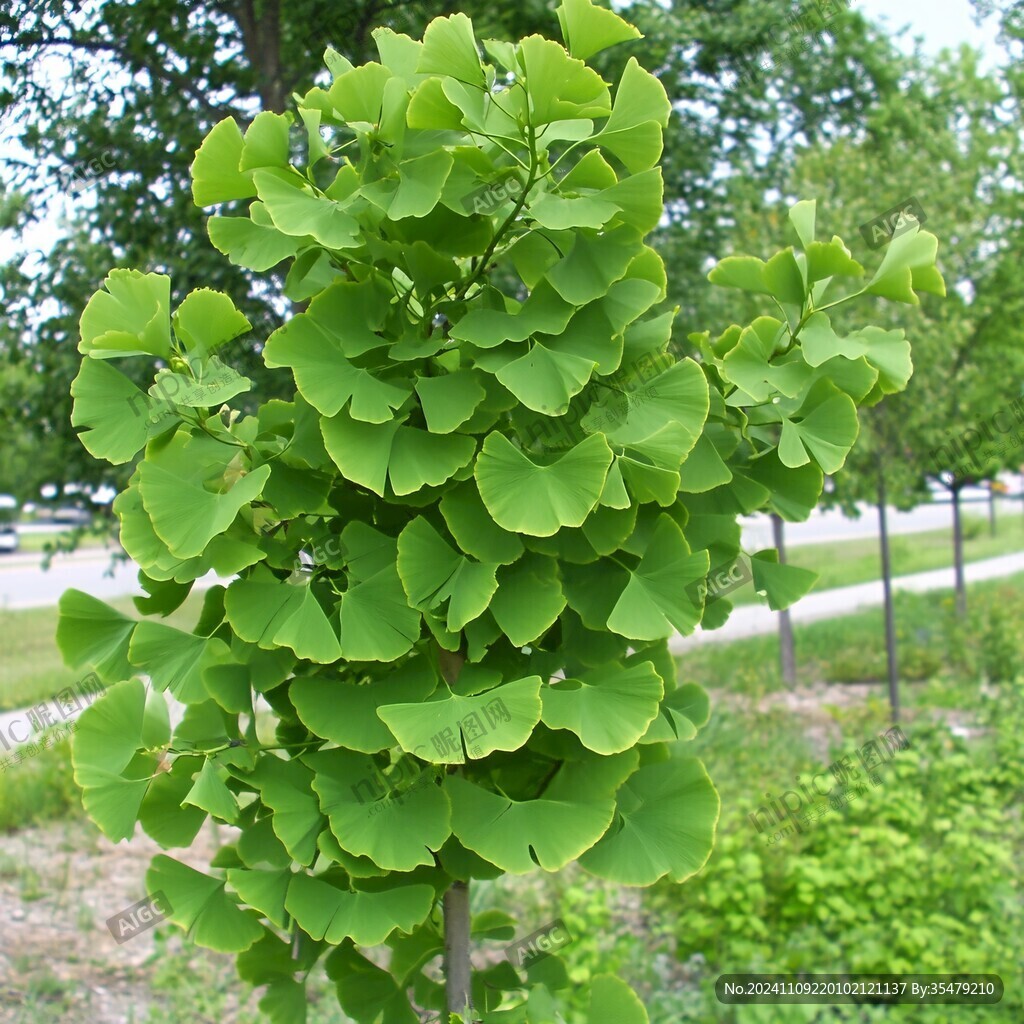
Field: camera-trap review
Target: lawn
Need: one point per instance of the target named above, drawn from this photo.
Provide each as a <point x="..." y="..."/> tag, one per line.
<point x="858" y="561"/>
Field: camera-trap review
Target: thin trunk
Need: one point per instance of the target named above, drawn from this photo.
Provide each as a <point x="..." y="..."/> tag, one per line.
<point x="991" y="509"/>
<point x="958" y="555"/>
<point x="787" y="652"/>
<point x="457" y="968"/>
<point x="890" y="612"/>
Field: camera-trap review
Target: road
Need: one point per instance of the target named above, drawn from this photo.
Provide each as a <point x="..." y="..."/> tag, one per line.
<point x="22" y="585"/>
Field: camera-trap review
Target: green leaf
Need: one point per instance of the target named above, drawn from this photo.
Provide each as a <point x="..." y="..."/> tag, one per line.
<point x="529" y="598"/>
<point x="298" y="211"/>
<point x="286" y="788"/>
<point x="432" y="573"/>
<point x="450" y="400"/>
<point x="825" y="431"/>
<point x="609" y="710"/>
<point x="313" y="345"/>
<point x="595" y="262"/>
<point x="802" y="216"/>
<point x="210" y="793"/>
<point x="346" y="713"/>
<point x="399" y="833"/>
<point x="199" y="904"/>
<point x="113" y="411"/>
<point x="176" y="661"/>
<point x="612" y="1001"/>
<point x="552" y="830"/>
<point x="265" y="891"/>
<point x="682" y="713"/>
<point x="113" y="776"/>
<point x="266" y="142"/>
<point x="249" y="244"/>
<point x="545" y="379"/>
<point x="539" y="499"/>
<point x="665" y="825"/>
<point x="410" y="459"/>
<point x="658" y="598"/>
<point x="783" y="585"/>
<point x="559" y="87"/>
<point x="185" y="515"/>
<point x="633" y="133"/>
<point x="216" y="177"/>
<point x="206" y="320"/>
<point x="92" y="633"/>
<point x="129" y="316"/>
<point x="909" y="252"/>
<point x="367" y="918"/>
<point x="887" y="351"/>
<point x="474" y="530"/>
<point x="744" y="272"/>
<point x="271" y="613"/>
<point x="499" y="719"/>
<point x="587" y="29"/>
<point x="449" y="48"/>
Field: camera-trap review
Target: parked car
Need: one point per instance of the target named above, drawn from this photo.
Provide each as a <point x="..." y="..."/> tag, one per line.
<point x="8" y="523"/>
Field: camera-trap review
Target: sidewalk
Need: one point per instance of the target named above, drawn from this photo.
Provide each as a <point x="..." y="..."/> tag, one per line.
<point x="758" y="619"/>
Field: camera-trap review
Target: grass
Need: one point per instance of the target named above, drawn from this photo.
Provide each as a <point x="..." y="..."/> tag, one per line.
<point x="31" y="543"/>
<point x="32" y="669"/>
<point x="850" y="649"/>
<point x="857" y="561"/>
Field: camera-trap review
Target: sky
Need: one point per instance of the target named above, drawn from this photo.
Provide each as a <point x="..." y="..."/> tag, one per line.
<point x="939" y="23"/>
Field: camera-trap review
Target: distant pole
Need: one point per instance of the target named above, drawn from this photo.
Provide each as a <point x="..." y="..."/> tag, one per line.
<point x="787" y="652"/>
<point x="958" y="554"/>
<point x="890" y="610"/>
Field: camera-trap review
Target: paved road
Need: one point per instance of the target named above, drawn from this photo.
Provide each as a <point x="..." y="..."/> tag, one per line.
<point x="22" y="585"/>
<point x="755" y="620"/>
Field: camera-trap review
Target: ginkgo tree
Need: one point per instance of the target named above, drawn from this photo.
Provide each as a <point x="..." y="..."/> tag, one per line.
<point x="455" y="558"/>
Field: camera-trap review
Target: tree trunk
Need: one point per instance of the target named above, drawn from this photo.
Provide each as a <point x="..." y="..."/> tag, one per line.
<point x="457" y="968"/>
<point x="991" y="508"/>
<point x="890" y="612"/>
<point x="787" y="652"/>
<point x="958" y="554"/>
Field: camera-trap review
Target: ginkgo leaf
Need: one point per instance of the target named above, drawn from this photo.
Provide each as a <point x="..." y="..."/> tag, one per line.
<point x="448" y="401"/>
<point x="216" y="177"/>
<point x="270" y="613"/>
<point x="185" y="515"/>
<point x="90" y="632"/>
<point x="286" y="788"/>
<point x="552" y="830"/>
<point x="608" y="710"/>
<point x="450" y="725"/>
<point x="129" y="316"/>
<point x="398" y="832"/>
<point x="175" y="660"/>
<point x="432" y="573"/>
<point x="588" y="29"/>
<point x="199" y="904"/>
<point x="346" y="713"/>
<point x="529" y="598"/>
<point x="659" y="597"/>
<point x="524" y="496"/>
<point x="612" y="1001"/>
<point x="633" y="132"/>
<point x="107" y="755"/>
<point x="296" y="210"/>
<point x="206" y="320"/>
<point x="783" y="585"/>
<point x="825" y="430"/>
<point x="313" y="344"/>
<point x="368" y="918"/>
<point x="409" y="459"/>
<point x="665" y="825"/>
<point x="113" y="411"/>
<point x="250" y="244"/>
<point x="544" y="379"/>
